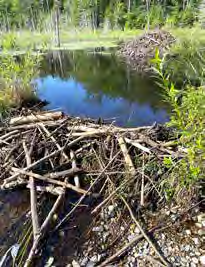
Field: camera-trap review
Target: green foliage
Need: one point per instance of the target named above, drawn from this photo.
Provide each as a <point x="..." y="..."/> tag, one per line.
<point x="16" y="75"/>
<point x="32" y="14"/>
<point x="188" y="118"/>
<point x="185" y="61"/>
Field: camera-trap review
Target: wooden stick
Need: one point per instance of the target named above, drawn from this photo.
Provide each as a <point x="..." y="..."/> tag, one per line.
<point x="49" y="180"/>
<point x="8" y="134"/>
<point x="87" y="192"/>
<point x="54" y="190"/>
<point x="138" y="145"/>
<point x="126" y="247"/>
<point x="128" y="160"/>
<point x="43" y="230"/>
<point x="142" y="186"/>
<point x="74" y="165"/>
<point x="144" y="233"/>
<point x="13" y="177"/>
<point x="37" y="118"/>
<point x="54" y="140"/>
<point x="33" y="198"/>
<point x="32" y="125"/>
<point x="52" y="212"/>
<point x="68" y="173"/>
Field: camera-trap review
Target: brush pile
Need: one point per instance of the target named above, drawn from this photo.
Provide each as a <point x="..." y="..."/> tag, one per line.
<point x="56" y="154"/>
<point x="141" y="50"/>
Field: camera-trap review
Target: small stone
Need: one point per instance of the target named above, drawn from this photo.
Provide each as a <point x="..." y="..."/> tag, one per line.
<point x="163" y="236"/>
<point x="95" y="258"/>
<point x="167" y="212"/>
<point x="187" y="248"/>
<point x="183" y="259"/>
<point x="137" y="231"/>
<point x="188" y="232"/>
<point x="192" y="264"/>
<point x="201" y="232"/>
<point x="203" y="223"/>
<point x="111" y="208"/>
<point x="199" y="225"/>
<point x="202" y="260"/>
<point x="75" y="264"/>
<point x="201" y="217"/>
<point x="196" y="240"/>
<point x="90" y="264"/>
<point x="195" y="260"/>
<point x="98" y="229"/>
<point x="84" y="261"/>
<point x="130" y="237"/>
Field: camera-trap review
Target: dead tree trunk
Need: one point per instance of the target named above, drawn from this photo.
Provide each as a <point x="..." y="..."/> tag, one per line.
<point x="57" y="22"/>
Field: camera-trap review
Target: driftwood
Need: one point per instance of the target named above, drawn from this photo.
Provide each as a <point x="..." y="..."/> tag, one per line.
<point x="36" y="118"/>
<point x="52" y="154"/>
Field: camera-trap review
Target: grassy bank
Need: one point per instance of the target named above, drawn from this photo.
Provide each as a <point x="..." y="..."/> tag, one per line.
<point x="70" y="39"/>
<point x="73" y="39"/>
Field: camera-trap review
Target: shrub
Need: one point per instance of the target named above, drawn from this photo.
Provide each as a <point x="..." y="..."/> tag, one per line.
<point x="188" y="118"/>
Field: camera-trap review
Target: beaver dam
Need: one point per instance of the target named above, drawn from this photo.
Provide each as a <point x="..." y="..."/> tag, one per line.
<point x="106" y="167"/>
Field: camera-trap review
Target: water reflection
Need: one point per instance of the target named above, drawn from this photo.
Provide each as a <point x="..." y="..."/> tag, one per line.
<point x="99" y="85"/>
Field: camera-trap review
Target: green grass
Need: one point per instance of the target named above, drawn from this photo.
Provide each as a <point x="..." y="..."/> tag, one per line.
<point x="74" y="39"/>
<point x="70" y="39"/>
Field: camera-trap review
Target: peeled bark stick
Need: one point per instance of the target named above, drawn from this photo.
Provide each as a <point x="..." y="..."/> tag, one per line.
<point x="33" y="199"/>
<point x="54" y="190"/>
<point x="54" y="140"/>
<point x="13" y="177"/>
<point x="164" y="261"/>
<point x="142" y="186"/>
<point x="49" y="180"/>
<point x="76" y="177"/>
<point x="127" y="157"/>
<point x="8" y="134"/>
<point x="138" y="145"/>
<point x="37" y="118"/>
<point x="34" y="125"/>
<point x="103" y="130"/>
<point x="68" y="173"/>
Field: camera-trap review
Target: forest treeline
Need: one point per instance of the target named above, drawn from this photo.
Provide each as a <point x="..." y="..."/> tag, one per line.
<point x="35" y="14"/>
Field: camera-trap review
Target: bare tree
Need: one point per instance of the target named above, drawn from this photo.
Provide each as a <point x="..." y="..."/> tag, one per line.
<point x="57" y="22"/>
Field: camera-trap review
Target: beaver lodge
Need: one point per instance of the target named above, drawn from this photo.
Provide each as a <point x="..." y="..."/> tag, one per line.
<point x="139" y="52"/>
<point x="52" y="154"/>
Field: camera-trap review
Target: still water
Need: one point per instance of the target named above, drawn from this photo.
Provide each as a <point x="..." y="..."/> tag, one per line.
<point x="99" y="85"/>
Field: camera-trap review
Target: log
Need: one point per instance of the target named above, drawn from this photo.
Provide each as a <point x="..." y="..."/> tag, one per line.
<point x="36" y="118"/>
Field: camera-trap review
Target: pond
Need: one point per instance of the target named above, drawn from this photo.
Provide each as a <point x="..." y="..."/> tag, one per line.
<point x="99" y="85"/>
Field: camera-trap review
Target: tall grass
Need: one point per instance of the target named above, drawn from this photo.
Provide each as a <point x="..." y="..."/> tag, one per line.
<point x="16" y="75"/>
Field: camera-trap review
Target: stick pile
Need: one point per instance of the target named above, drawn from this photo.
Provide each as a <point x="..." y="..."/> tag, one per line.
<point x="52" y="153"/>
